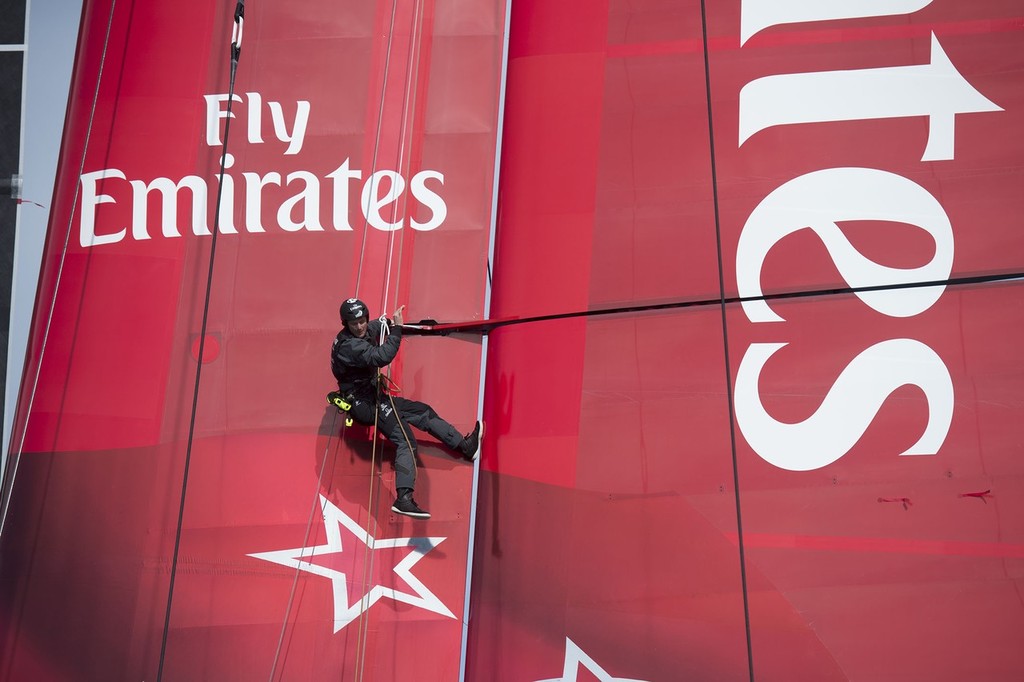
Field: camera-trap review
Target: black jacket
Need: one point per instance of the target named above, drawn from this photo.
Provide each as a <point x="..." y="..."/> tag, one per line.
<point x="355" y="361"/>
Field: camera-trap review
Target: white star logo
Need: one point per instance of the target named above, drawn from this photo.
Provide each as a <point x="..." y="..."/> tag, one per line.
<point x="574" y="658"/>
<point x="345" y="612"/>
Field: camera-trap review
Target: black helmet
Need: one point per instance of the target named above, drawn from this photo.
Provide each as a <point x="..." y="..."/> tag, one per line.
<point x="353" y="309"/>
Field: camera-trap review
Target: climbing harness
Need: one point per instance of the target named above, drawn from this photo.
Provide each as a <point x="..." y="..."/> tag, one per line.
<point x="344" y="403"/>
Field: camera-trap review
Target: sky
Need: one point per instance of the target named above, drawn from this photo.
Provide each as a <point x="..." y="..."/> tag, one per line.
<point x="50" y="41"/>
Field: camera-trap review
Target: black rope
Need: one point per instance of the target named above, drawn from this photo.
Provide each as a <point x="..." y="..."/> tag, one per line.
<point x="434" y="328"/>
<point x="236" y="50"/>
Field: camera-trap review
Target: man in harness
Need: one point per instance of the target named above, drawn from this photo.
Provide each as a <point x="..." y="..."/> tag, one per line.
<point x="356" y="358"/>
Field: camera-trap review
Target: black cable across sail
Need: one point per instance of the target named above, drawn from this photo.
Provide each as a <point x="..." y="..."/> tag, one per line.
<point x="236" y="51"/>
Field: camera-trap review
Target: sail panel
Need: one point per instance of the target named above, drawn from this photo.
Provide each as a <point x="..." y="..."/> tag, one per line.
<point x="179" y="444"/>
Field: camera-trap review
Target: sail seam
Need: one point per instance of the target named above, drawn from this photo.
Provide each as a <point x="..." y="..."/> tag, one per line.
<point x="722" y="302"/>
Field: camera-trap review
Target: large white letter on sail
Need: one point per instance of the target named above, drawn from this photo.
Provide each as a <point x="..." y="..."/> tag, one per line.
<point x="818" y="201"/>
<point x="936" y="90"/>
<point x="849" y="406"/>
<point x="756" y="15"/>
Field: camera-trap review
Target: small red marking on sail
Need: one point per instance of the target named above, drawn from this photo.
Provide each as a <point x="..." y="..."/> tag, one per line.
<point x="980" y="495"/>
<point x="904" y="500"/>
<point x="211" y="348"/>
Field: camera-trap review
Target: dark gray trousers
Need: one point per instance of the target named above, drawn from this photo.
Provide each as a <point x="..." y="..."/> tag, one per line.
<point x="395" y="427"/>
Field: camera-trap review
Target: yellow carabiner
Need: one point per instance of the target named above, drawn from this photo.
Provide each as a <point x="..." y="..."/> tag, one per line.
<point x="335" y="399"/>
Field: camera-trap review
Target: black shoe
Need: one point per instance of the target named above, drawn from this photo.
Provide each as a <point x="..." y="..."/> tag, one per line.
<point x="404" y="504"/>
<point x="470" y="445"/>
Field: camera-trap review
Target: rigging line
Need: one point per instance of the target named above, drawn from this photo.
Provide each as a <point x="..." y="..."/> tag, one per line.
<point x="235" y="53"/>
<point x="377" y="136"/>
<point x="408" y="99"/>
<point x="373" y="500"/>
<point x="725" y="344"/>
<point x="359" y="272"/>
<point x="371" y="509"/>
<point x="486" y="326"/>
<point x="409" y="96"/>
<point x="362" y="628"/>
<point x="305" y="543"/>
<point x="374" y="480"/>
<point x="15" y="460"/>
<point x="412" y="71"/>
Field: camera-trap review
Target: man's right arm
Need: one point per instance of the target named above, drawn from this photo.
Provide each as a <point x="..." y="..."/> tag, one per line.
<point x="361" y="353"/>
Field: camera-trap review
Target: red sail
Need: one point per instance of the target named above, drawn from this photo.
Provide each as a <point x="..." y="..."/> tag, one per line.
<point x="747" y="327"/>
<point x="169" y="524"/>
<point x="718" y="490"/>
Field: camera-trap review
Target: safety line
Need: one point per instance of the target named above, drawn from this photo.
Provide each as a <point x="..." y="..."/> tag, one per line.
<point x="15" y="459"/>
<point x="416" y="31"/>
<point x="725" y="345"/>
<point x="372" y="500"/>
<point x="235" y="53"/>
<point x="369" y="559"/>
<point x="401" y="425"/>
<point x="408" y="97"/>
<point x="362" y="629"/>
<point x="371" y="505"/>
<point x="376" y="139"/>
<point x="374" y="480"/>
<point x="371" y="508"/>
